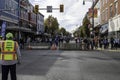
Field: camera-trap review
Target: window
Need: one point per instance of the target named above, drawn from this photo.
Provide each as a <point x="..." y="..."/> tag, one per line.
<point x="10" y="4"/>
<point x="103" y="1"/>
<point x="100" y="4"/>
<point x="106" y="1"/>
<point x="7" y="4"/>
<point x="110" y="11"/>
<point x="101" y="17"/>
<point x="106" y="15"/>
<point x="116" y="8"/>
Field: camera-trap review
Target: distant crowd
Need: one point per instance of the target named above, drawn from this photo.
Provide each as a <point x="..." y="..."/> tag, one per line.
<point x="103" y="43"/>
<point x="87" y="43"/>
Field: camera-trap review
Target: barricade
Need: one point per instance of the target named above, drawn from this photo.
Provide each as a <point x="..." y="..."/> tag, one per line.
<point x="53" y="47"/>
<point x="37" y="46"/>
<point x="71" y="46"/>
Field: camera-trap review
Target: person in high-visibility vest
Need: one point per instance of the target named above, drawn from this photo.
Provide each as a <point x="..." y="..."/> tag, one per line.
<point x="10" y="56"/>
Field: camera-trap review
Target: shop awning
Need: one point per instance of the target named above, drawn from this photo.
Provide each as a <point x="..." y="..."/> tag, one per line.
<point x="23" y="29"/>
<point x="104" y="28"/>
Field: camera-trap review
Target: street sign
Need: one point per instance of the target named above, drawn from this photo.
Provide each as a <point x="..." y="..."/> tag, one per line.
<point x="49" y="8"/>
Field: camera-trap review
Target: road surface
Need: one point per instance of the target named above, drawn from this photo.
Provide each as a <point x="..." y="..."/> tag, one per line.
<point x="68" y="65"/>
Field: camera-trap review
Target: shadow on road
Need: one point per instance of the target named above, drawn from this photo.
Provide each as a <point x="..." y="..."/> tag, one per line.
<point x="37" y="62"/>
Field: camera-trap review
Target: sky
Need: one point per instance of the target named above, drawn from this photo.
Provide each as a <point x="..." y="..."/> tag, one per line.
<point x="71" y="18"/>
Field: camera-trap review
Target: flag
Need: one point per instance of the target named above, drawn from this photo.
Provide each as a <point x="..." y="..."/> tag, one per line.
<point x="95" y="13"/>
<point x="90" y="13"/>
<point x="3" y="29"/>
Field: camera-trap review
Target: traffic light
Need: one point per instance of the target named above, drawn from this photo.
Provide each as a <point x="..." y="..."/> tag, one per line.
<point x="36" y="8"/>
<point x="83" y="2"/>
<point x="61" y="8"/>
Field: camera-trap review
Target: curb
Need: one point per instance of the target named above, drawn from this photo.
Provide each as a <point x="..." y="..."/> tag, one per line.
<point x="111" y="50"/>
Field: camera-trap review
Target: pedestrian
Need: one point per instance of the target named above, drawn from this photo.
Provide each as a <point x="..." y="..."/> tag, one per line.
<point x="112" y="42"/>
<point x="21" y="43"/>
<point x="92" y="43"/>
<point x="10" y="56"/>
<point x="116" y="42"/>
<point x="1" y="40"/>
<point x="100" y="42"/>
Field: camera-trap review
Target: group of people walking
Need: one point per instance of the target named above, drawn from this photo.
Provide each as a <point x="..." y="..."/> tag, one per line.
<point x="103" y="43"/>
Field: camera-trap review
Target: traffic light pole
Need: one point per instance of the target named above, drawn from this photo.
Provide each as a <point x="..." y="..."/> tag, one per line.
<point x="49" y="8"/>
<point x="93" y="19"/>
<point x="18" y="38"/>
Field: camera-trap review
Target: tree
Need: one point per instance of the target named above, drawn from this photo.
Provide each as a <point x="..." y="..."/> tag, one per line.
<point x="79" y="32"/>
<point x="51" y="25"/>
<point x="63" y="31"/>
<point x="86" y="22"/>
<point x="82" y="32"/>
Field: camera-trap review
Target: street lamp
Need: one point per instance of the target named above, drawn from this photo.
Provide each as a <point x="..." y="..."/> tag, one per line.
<point x="92" y="16"/>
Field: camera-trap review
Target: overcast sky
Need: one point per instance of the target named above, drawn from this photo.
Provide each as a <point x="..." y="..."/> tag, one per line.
<point x="74" y="11"/>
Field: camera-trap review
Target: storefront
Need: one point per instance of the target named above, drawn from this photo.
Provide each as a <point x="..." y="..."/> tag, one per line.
<point x="8" y="17"/>
<point x="114" y="26"/>
<point x="104" y="30"/>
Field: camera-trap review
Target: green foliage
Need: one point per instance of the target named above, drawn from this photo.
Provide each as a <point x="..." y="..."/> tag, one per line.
<point x="86" y="22"/>
<point x="51" y="25"/>
<point x="83" y="31"/>
<point x="63" y="31"/>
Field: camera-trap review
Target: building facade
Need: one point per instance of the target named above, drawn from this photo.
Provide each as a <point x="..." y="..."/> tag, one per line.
<point x="40" y="23"/>
<point x="32" y="17"/>
<point x="19" y="18"/>
<point x="9" y="14"/>
<point x="94" y="18"/>
<point x="23" y="19"/>
<point x="97" y="18"/>
<point x="110" y="16"/>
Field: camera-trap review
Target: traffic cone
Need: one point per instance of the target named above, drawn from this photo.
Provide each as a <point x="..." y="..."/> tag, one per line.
<point x="29" y="47"/>
<point x="53" y="47"/>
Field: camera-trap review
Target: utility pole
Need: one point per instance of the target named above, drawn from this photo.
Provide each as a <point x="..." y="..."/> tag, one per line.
<point x="18" y="38"/>
<point x="49" y="8"/>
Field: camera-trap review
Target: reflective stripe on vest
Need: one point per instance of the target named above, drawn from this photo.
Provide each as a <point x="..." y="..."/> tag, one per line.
<point x="8" y="50"/>
<point x="9" y="57"/>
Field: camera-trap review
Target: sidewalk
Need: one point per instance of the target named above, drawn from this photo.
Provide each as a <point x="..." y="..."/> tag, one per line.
<point x="112" y="50"/>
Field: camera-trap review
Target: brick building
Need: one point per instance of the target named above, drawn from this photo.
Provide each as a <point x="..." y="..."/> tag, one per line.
<point x="110" y="17"/>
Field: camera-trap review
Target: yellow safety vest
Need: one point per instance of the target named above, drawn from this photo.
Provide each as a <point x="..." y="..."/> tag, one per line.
<point x="8" y="51"/>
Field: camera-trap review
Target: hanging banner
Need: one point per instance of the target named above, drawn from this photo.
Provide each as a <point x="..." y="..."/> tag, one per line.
<point x="90" y="13"/>
<point x="95" y="12"/>
<point x="3" y="29"/>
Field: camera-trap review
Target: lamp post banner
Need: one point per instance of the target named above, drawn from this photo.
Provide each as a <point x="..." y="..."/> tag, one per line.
<point x="3" y="29"/>
<point x="90" y="13"/>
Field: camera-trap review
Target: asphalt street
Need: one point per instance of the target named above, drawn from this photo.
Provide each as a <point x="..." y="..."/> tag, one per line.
<point x="68" y="65"/>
